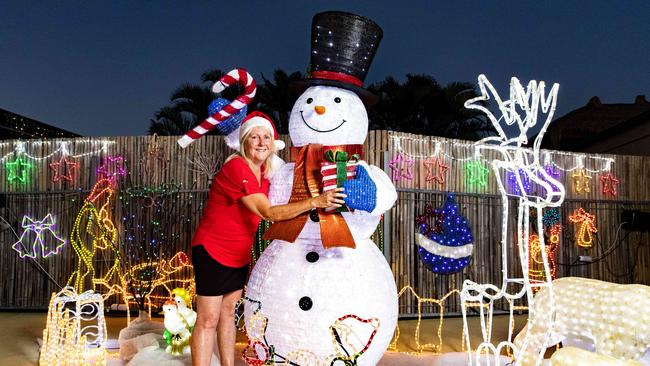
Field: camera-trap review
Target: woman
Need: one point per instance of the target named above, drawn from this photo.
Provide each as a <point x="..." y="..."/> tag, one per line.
<point x="222" y="243"/>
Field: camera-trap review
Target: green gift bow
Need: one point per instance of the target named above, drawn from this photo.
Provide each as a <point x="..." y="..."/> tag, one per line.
<point x="341" y="159"/>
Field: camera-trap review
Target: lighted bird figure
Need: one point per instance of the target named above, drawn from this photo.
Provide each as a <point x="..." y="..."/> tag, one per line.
<point x="450" y="250"/>
<point x="518" y="113"/>
<point x="179" y="322"/>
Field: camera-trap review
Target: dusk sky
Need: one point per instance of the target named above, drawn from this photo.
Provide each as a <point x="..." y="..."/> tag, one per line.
<point x="102" y="68"/>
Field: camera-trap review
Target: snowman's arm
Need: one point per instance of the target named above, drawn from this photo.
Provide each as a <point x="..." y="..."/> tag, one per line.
<point x="386" y="193"/>
<point x="281" y="183"/>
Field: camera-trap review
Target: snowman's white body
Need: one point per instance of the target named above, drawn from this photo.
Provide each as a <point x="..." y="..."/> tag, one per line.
<point x="341" y="281"/>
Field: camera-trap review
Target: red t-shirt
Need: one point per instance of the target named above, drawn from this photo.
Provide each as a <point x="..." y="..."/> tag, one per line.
<point x="227" y="228"/>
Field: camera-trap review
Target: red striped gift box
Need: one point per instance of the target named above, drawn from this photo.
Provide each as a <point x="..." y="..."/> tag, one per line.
<point x="328" y="170"/>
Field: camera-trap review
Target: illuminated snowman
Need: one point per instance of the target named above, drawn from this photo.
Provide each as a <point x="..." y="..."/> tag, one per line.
<point x="322" y="292"/>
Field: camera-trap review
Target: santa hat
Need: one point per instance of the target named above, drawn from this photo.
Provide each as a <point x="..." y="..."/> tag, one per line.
<point x="259" y="119"/>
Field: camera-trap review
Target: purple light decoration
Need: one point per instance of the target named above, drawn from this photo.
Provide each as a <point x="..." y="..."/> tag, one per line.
<point x="551" y="172"/>
<point x="38" y="234"/>
<point x="514" y="185"/>
<point x="397" y="168"/>
<point x="112" y="167"/>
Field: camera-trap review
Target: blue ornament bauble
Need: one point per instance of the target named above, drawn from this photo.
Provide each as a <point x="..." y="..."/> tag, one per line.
<point x="450" y="250"/>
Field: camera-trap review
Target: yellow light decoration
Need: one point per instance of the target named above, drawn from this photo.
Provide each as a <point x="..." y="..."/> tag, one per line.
<point x="572" y="356"/>
<point x="584" y="234"/>
<point x="169" y="275"/>
<point x="613" y="316"/>
<point x="74" y="335"/>
<point x="536" y="270"/>
<point x="581" y="181"/>
<point x="431" y="347"/>
<point x="94" y="221"/>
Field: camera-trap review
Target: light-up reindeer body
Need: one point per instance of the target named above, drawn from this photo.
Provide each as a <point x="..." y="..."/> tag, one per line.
<point x="523" y="163"/>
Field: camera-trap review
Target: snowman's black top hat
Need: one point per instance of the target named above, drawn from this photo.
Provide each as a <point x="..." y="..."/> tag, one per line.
<point x="343" y="46"/>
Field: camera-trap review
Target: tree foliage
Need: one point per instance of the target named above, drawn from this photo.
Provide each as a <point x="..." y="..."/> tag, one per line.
<point x="418" y="105"/>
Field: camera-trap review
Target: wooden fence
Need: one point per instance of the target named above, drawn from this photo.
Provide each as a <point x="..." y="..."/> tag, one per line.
<point x="40" y="177"/>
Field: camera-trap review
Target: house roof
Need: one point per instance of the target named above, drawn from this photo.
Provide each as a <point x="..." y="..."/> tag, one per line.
<point x="569" y="131"/>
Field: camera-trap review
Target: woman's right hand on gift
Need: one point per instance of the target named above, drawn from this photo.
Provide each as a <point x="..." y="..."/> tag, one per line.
<point x="330" y="199"/>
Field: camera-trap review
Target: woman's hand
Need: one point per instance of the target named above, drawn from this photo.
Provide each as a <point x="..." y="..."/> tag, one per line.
<point x="329" y="199"/>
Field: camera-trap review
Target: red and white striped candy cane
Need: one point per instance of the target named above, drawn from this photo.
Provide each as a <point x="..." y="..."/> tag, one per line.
<point x="239" y="76"/>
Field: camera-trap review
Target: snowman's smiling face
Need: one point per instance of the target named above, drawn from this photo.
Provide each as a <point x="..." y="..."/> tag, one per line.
<point x="328" y="115"/>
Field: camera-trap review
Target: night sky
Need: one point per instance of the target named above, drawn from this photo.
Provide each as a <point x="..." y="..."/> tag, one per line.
<point x="102" y="68"/>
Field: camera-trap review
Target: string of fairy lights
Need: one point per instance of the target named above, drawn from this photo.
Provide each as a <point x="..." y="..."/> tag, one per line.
<point x="438" y="164"/>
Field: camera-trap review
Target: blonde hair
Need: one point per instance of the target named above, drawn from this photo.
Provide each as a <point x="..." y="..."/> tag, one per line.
<point x="268" y="163"/>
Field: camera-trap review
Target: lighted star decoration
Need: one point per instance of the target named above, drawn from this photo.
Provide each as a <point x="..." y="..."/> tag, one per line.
<point x="18" y="170"/>
<point x="401" y="167"/>
<point x="584" y="234"/>
<point x="112" y="167"/>
<point x="436" y="170"/>
<point x="581" y="181"/>
<point x="63" y="169"/>
<point x="609" y="184"/>
<point x="38" y="238"/>
<point x="477" y="173"/>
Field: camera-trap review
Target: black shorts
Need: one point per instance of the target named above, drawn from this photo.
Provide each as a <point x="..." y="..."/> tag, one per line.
<point x="213" y="278"/>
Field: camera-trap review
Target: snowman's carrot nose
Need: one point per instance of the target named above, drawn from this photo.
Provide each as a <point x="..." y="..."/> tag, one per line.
<point x="319" y="109"/>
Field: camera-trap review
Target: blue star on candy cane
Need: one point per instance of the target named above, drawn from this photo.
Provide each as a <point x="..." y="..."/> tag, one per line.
<point x="38" y="235"/>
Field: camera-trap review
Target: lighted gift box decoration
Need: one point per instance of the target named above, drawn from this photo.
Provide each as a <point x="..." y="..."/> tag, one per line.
<point x="75" y="331"/>
<point x="338" y="167"/>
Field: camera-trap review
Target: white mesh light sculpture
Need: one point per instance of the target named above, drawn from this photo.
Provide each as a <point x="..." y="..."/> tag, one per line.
<point x="521" y="110"/>
<point x="338" y="281"/>
<point x="75" y="331"/>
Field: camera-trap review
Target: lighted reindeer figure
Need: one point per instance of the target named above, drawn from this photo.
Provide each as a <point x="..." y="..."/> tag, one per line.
<point x="521" y="111"/>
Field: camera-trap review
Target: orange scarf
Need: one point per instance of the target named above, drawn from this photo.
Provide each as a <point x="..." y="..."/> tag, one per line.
<point x="307" y="182"/>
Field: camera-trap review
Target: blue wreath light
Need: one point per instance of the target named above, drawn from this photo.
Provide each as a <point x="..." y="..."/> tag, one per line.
<point x="450" y="250"/>
<point x="551" y="216"/>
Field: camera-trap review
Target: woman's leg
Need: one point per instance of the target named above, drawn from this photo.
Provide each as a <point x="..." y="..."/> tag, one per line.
<point x="226" y="330"/>
<point x="207" y="318"/>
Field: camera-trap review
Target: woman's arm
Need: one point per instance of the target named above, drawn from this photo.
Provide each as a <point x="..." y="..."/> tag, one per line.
<point x="259" y="204"/>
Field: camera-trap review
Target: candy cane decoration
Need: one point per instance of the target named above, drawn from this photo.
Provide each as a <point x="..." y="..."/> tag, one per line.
<point x="239" y="76"/>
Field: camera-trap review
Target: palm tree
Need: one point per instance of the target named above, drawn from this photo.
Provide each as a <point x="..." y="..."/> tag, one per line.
<point x="276" y="98"/>
<point x="420" y="105"/>
<point x="189" y="102"/>
<point x="188" y="106"/>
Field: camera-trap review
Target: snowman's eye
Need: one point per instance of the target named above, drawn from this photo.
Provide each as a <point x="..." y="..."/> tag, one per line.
<point x="309" y="100"/>
<point x="337" y="100"/>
